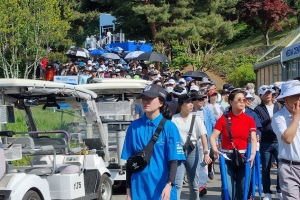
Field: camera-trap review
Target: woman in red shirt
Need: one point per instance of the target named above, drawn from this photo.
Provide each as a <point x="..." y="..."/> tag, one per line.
<point x="241" y="126"/>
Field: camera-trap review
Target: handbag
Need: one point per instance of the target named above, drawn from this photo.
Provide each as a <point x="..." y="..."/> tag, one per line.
<point x="140" y="161"/>
<point x="188" y="143"/>
<point x="238" y="159"/>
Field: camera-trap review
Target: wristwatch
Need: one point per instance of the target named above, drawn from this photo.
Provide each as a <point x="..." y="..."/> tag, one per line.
<point x="170" y="183"/>
<point x="205" y="152"/>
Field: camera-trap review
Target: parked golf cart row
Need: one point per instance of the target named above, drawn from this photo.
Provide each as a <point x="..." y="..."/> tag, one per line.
<point x="58" y="171"/>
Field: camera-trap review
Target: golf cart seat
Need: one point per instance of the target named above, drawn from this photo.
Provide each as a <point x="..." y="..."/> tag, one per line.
<point x="47" y="169"/>
<point x="60" y="145"/>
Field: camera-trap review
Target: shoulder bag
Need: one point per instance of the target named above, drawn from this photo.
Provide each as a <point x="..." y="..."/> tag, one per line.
<point x="189" y="144"/>
<point x="140" y="161"/>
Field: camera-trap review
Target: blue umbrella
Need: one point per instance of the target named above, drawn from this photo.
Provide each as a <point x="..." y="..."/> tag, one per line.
<point x="117" y="49"/>
<point x="98" y="52"/>
<point x="257" y="170"/>
<point x="223" y="177"/>
<point x="247" y="168"/>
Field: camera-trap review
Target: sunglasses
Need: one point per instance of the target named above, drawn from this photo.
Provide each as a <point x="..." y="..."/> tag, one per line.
<point x="241" y="100"/>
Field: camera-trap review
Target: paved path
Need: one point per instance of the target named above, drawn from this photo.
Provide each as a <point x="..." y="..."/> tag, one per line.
<point x="214" y="188"/>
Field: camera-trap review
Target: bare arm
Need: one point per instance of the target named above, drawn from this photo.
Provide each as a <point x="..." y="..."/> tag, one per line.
<point x="291" y="131"/>
<point x="215" y="134"/>
<point x="206" y="158"/>
<point x="254" y="146"/>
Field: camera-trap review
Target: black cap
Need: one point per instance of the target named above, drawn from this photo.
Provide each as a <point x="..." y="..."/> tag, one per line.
<point x="166" y="68"/>
<point x="225" y="91"/>
<point x="94" y="70"/>
<point x="153" y="91"/>
<point x="184" y="98"/>
<point x="165" y="74"/>
<point x="197" y="96"/>
<point x="228" y="86"/>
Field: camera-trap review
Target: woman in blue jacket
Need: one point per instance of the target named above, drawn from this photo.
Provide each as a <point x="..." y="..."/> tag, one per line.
<point x="156" y="181"/>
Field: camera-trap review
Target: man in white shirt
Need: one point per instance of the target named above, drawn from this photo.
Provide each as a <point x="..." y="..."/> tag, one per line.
<point x="268" y="141"/>
<point x="286" y="125"/>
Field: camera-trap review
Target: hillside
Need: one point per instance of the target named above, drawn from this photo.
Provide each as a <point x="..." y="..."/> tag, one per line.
<point x="257" y="39"/>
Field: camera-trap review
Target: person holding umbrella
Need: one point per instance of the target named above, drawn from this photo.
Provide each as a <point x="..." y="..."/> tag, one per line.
<point x="240" y="125"/>
<point x="285" y="125"/>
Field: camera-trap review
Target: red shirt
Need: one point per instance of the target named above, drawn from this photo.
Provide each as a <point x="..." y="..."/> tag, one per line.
<point x="240" y="129"/>
<point x="44" y="62"/>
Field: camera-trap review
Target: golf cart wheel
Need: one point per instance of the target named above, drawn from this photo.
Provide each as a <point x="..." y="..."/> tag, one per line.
<point x="31" y="195"/>
<point x="105" y="188"/>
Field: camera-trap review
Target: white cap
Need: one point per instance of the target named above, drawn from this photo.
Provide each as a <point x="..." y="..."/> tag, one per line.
<point x="90" y="62"/>
<point x="100" y="70"/>
<point x="182" y="80"/>
<point x="194" y="87"/>
<point x="289" y="88"/>
<point x="118" y="70"/>
<point x="139" y="67"/>
<point x="171" y="81"/>
<point x="169" y="89"/>
<point x="264" y="89"/>
<point x="204" y="80"/>
<point x="249" y="96"/>
<point x="120" y="65"/>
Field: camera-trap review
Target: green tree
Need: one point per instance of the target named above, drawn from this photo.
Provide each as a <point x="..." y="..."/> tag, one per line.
<point x="27" y="29"/>
<point x="242" y="75"/>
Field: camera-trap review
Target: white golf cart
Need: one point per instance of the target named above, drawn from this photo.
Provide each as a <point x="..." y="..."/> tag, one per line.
<point x="116" y="100"/>
<point x="64" y="165"/>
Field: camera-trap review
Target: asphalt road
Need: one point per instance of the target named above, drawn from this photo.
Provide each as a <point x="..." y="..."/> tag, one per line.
<point x="213" y="187"/>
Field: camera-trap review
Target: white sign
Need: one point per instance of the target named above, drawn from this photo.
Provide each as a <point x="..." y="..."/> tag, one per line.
<point x="72" y="80"/>
<point x="291" y="52"/>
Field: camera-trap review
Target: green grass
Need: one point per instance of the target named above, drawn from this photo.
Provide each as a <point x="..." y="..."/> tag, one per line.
<point x="257" y="38"/>
<point x="45" y="120"/>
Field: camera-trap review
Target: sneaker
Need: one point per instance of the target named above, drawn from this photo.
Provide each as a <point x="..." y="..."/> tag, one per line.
<point x="211" y="175"/>
<point x="279" y="195"/>
<point x="202" y="191"/>
<point x="268" y="196"/>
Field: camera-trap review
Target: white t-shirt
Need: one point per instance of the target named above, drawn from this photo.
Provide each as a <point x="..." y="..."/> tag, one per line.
<point x="184" y="127"/>
<point x="281" y="120"/>
<point x="270" y="109"/>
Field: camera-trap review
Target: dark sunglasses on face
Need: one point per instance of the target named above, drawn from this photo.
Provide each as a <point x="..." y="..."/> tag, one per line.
<point x="241" y="100"/>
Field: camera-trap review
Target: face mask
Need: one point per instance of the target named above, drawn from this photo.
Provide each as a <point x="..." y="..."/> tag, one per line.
<point x="48" y="66"/>
<point x="169" y="89"/>
<point x="251" y="91"/>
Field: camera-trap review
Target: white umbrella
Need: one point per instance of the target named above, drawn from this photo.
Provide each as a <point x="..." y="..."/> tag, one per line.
<point x="111" y="56"/>
<point x="133" y="55"/>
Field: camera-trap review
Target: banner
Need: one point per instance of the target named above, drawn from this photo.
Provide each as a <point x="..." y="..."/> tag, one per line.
<point x="72" y="80"/>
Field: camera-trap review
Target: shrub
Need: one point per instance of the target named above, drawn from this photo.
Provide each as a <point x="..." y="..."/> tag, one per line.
<point x="242" y="75"/>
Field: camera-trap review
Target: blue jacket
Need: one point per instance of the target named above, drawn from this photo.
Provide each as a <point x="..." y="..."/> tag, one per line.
<point x="209" y="122"/>
<point x="252" y="113"/>
<point x="267" y="133"/>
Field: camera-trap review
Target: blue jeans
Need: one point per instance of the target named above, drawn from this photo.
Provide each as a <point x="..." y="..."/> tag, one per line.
<point x="235" y="180"/>
<point x="266" y="151"/>
<point x="192" y="168"/>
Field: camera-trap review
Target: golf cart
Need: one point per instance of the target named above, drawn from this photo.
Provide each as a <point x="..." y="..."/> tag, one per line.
<point x="116" y="101"/>
<point x="62" y="165"/>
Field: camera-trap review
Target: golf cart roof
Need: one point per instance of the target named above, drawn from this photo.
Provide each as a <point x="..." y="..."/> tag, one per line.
<point x="116" y="86"/>
<point x="21" y="88"/>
